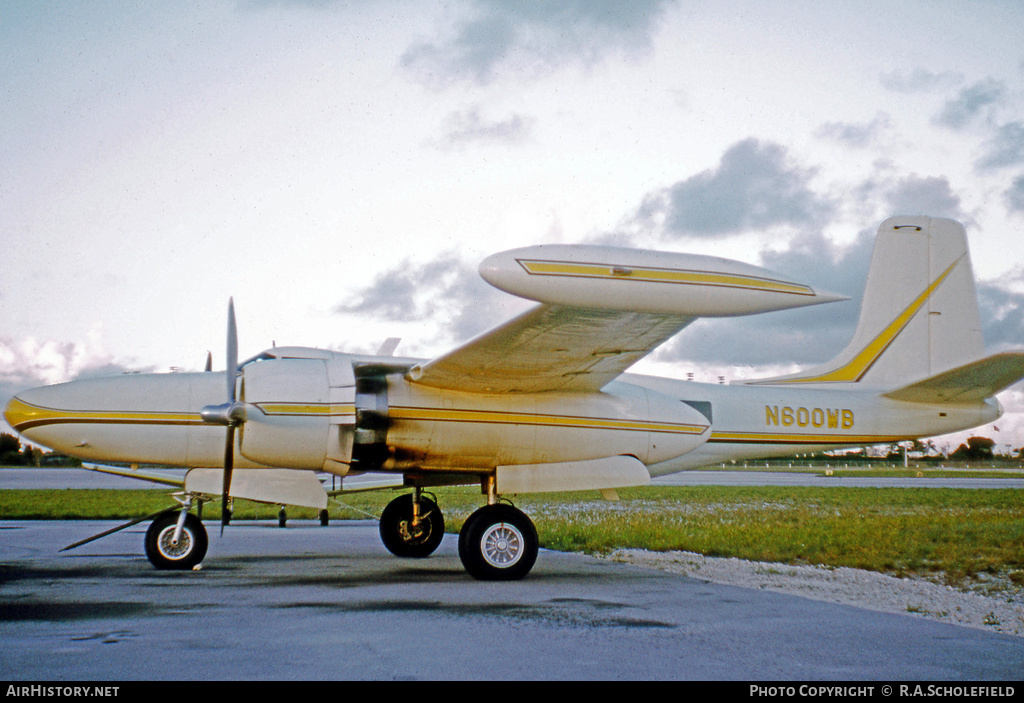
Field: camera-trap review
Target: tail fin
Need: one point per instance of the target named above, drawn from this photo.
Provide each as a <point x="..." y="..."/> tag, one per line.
<point x="919" y="316"/>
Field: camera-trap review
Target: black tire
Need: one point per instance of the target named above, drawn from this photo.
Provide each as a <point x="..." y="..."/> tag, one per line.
<point x="398" y="535"/>
<point x="498" y="543"/>
<point x="189" y="551"/>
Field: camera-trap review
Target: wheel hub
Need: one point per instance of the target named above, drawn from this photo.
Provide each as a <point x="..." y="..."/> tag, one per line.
<point x="173" y="550"/>
<point x="414" y="531"/>
<point x="502" y="545"/>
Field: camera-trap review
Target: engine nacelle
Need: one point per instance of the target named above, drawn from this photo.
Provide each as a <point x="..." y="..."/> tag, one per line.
<point x="442" y="429"/>
<point x="300" y="413"/>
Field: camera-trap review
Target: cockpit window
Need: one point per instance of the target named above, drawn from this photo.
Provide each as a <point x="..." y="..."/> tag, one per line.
<point x="262" y="356"/>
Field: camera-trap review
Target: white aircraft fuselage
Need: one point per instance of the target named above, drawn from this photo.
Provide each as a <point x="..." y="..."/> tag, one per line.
<point x="668" y="424"/>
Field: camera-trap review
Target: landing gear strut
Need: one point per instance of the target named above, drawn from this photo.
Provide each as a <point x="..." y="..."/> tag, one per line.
<point x="498" y="542"/>
<point x="412" y="526"/>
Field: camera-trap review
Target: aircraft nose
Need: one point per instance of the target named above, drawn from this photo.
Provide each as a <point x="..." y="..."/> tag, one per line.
<point x="22" y="414"/>
<point x="15" y="413"/>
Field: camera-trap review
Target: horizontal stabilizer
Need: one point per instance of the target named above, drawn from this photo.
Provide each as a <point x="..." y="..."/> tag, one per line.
<point x="970" y="383"/>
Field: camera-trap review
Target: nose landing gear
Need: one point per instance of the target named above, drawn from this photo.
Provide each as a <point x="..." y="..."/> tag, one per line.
<point x="176" y="541"/>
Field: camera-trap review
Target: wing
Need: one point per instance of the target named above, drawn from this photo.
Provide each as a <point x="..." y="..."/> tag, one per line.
<point x="552" y="348"/>
<point x="602" y="309"/>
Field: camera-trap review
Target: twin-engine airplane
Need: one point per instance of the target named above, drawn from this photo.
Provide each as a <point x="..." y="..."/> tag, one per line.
<point x="541" y="402"/>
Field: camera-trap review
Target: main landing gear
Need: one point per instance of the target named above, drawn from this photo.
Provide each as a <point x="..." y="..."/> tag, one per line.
<point x="498" y="542"/>
<point x="412" y="526"/>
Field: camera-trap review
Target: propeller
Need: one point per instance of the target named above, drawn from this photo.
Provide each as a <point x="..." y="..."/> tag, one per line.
<point x="230" y="414"/>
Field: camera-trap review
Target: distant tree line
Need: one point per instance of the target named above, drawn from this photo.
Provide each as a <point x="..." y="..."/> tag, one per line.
<point x="12" y="453"/>
<point x="975" y="449"/>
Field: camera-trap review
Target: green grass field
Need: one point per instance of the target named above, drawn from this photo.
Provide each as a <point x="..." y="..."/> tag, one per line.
<point x="950" y="534"/>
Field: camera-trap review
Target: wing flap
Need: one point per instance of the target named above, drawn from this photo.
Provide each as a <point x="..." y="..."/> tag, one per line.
<point x="594" y="474"/>
<point x="970" y="383"/>
<point x="274" y="486"/>
<point x="551" y="348"/>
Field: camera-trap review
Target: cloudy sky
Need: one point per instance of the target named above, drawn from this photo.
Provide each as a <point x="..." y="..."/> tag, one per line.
<point x="340" y="168"/>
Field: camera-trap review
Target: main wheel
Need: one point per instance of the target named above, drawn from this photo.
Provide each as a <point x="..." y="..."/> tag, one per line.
<point x="498" y="543"/>
<point x="163" y="553"/>
<point x="405" y="539"/>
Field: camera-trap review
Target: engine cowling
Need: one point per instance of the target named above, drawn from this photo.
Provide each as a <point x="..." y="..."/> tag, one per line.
<point x="300" y="413"/>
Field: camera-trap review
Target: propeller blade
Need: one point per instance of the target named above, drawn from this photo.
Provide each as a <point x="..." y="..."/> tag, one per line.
<point x="235" y="420"/>
<point x="230" y="414"/>
<point x="232" y="372"/>
<point x="209" y="362"/>
<point x="229" y="465"/>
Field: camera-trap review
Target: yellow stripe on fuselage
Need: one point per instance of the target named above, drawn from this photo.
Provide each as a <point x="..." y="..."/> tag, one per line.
<point x="308" y="409"/>
<point x="23" y="416"/>
<point x="656" y="275"/>
<point x="538" y="419"/>
<point x="800" y="438"/>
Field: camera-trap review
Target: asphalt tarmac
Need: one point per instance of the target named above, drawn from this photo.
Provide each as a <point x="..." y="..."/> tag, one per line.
<point x="316" y="603"/>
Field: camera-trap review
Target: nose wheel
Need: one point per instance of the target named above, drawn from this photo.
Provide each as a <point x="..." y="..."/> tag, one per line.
<point x="498" y="543"/>
<point x="170" y="548"/>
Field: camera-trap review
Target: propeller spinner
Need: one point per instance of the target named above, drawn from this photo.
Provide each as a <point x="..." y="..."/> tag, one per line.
<point x="231" y="414"/>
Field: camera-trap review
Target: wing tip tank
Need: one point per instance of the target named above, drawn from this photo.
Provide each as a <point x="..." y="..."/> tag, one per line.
<point x="640" y="280"/>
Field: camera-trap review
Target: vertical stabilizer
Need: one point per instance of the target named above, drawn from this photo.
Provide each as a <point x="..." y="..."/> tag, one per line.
<point x="919" y="316"/>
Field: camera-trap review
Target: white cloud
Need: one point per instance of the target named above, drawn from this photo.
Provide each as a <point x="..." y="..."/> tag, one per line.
<point x="856" y="135"/>
<point x="1015" y="195"/>
<point x="971" y="102"/>
<point x="755" y="187"/>
<point x="533" y="37"/>
<point x="1004" y="148"/>
<point x="30" y="362"/>
<point x="920" y="80"/>
<point x="469" y="127"/>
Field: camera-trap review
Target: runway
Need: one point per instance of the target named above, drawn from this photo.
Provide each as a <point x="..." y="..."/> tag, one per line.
<point x="780" y="478"/>
<point x="310" y="602"/>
